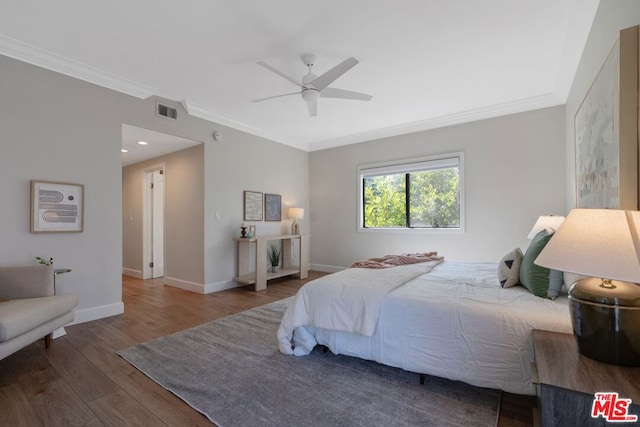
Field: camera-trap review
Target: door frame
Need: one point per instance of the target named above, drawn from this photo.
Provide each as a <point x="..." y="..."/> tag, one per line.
<point x="147" y="217"/>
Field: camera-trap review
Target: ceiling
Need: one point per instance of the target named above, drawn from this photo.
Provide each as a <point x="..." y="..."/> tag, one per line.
<point x="427" y="63"/>
<point x="157" y="144"/>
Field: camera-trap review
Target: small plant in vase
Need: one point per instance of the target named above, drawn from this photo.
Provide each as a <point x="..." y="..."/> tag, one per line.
<point x="274" y="257"/>
<point x="44" y="261"/>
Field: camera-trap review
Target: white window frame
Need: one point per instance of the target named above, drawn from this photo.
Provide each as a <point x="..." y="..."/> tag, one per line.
<point x="405" y="166"/>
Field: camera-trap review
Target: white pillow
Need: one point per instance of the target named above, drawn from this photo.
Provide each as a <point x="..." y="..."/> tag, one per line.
<point x="509" y="268"/>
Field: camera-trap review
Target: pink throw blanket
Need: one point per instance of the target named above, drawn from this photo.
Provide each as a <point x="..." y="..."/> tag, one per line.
<point x="388" y="261"/>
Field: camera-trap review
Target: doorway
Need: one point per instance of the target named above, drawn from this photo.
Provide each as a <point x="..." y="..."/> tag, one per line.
<point x="153" y="222"/>
<point x="152" y="175"/>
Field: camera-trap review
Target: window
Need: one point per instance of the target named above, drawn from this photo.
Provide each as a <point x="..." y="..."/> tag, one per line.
<point x="415" y="194"/>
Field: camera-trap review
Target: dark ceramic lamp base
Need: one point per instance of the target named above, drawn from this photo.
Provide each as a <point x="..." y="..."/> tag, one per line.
<point x="606" y="320"/>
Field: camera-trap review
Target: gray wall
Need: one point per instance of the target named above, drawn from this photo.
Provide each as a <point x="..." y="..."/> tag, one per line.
<point x="184" y="215"/>
<point x="240" y="163"/>
<point x="611" y="17"/>
<point x="59" y="129"/>
<point x="514" y="167"/>
<point x="54" y="127"/>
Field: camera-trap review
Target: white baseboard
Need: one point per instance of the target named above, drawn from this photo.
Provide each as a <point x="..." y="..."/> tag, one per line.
<point x="220" y="286"/>
<point x="327" y="268"/>
<point x="184" y="284"/>
<point x="131" y="272"/>
<point x="199" y="287"/>
<point x="95" y="313"/>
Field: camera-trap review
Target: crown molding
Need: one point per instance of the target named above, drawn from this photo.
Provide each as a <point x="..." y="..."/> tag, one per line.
<point x="39" y="57"/>
<point x="33" y="55"/>
<point x="482" y="113"/>
<point x="212" y="116"/>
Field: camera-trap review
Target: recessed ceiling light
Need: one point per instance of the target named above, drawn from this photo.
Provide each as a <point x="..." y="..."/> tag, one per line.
<point x="124" y="151"/>
<point x="143" y="143"/>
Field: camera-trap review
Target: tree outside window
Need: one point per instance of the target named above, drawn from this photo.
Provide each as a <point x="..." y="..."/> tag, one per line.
<point x="425" y="195"/>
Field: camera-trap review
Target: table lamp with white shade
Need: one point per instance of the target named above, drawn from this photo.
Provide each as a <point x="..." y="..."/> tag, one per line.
<point x="295" y="213"/>
<point x="603" y="244"/>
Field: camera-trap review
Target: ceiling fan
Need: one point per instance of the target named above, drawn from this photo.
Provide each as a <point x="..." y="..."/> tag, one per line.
<point x="312" y="86"/>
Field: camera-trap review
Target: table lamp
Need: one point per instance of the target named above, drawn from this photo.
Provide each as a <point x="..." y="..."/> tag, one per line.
<point x="295" y="213"/>
<point x="544" y="222"/>
<point x="605" y="307"/>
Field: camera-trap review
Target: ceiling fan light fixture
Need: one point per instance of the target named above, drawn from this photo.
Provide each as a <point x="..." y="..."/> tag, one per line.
<point x="310" y="94"/>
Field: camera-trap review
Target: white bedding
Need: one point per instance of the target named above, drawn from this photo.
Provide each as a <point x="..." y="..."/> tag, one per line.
<point x="347" y="301"/>
<point x="454" y="322"/>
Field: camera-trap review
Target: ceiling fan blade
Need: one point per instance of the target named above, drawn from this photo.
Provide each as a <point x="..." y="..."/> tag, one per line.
<point x="313" y="107"/>
<point x="280" y="73"/>
<point x="324" y="80"/>
<point x="331" y="92"/>
<point x="275" y="96"/>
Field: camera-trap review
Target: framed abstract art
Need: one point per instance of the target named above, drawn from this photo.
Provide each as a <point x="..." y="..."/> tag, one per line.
<point x="606" y="131"/>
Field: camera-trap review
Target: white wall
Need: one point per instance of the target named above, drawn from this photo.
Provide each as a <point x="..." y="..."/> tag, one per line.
<point x="54" y="127"/>
<point x="611" y="17"/>
<point x="514" y="172"/>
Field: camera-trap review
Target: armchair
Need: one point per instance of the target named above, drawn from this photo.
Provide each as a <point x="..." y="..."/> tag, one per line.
<point x="29" y="308"/>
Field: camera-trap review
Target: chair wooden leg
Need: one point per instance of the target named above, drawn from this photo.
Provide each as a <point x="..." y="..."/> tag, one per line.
<point x="47" y="341"/>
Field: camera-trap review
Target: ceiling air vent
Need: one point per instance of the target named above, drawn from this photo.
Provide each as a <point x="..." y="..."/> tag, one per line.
<point x="166" y="111"/>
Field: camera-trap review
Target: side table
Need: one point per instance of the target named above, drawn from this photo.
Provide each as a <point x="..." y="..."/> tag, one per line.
<point x="567" y="381"/>
<point x="56" y="272"/>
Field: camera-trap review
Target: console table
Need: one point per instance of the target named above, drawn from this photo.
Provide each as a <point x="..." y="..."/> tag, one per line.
<point x="567" y="381"/>
<point x="260" y="275"/>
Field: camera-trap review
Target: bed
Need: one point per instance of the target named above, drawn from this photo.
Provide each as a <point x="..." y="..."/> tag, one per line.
<point x="447" y="319"/>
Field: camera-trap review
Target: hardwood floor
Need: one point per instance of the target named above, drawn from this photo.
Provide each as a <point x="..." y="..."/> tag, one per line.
<point x="80" y="380"/>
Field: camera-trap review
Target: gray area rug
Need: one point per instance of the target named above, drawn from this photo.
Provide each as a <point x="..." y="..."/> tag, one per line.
<point x="231" y="371"/>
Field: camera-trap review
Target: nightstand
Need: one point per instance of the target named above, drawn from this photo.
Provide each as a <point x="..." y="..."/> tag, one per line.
<point x="567" y="381"/>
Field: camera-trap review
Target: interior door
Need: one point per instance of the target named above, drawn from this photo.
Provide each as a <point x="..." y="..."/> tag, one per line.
<point x="157" y="224"/>
<point x="153" y="223"/>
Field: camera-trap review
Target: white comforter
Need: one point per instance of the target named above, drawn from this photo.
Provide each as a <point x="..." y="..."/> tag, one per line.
<point x="347" y="301"/>
<point x="455" y="322"/>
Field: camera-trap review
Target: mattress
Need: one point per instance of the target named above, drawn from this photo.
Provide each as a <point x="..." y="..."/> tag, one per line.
<point x="455" y="322"/>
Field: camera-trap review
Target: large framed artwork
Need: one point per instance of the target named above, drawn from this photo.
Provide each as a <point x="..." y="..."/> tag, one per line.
<point x="56" y="207"/>
<point x="606" y="131"/>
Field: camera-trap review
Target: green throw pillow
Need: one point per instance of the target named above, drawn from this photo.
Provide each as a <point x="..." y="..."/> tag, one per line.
<point x="533" y="277"/>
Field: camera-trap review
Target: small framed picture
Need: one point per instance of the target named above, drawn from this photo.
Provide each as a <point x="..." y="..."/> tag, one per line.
<point x="252" y="230"/>
<point x="57" y="207"/>
<point x="252" y="206"/>
<point x="272" y="207"/>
